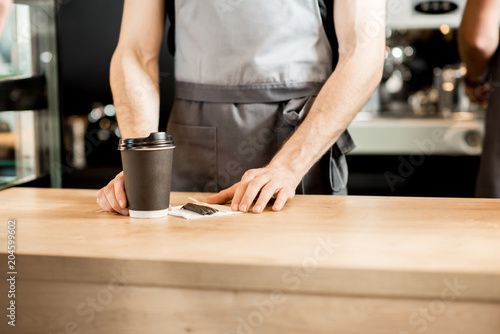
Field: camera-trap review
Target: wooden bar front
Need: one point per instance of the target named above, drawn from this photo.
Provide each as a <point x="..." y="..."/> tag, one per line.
<point x="324" y="264"/>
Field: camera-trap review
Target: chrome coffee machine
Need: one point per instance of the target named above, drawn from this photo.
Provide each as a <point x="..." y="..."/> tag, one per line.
<point x="422" y="73"/>
<point x="422" y="90"/>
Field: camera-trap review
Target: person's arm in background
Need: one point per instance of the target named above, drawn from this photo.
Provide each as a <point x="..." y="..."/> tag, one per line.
<point x="360" y="28"/>
<point x="4" y="14"/>
<point x="478" y="40"/>
<point x="135" y="84"/>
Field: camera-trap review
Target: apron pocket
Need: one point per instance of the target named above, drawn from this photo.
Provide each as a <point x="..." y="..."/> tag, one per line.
<point x="195" y="158"/>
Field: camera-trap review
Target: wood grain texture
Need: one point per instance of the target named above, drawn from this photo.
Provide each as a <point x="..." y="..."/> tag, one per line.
<point x="94" y="308"/>
<point x="372" y="261"/>
<point x="350" y="245"/>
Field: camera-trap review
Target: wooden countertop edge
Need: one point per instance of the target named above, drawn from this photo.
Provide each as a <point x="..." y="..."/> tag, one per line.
<point x="324" y="281"/>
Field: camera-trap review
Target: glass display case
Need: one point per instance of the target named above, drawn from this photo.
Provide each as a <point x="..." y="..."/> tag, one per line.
<point x="29" y="99"/>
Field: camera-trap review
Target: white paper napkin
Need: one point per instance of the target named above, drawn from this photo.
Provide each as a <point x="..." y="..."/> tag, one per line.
<point x="223" y="211"/>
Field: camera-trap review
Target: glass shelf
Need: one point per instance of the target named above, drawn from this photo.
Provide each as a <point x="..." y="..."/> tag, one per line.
<point x="30" y="139"/>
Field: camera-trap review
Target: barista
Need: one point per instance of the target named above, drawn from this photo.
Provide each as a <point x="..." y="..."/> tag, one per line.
<point x="478" y="44"/>
<point x="247" y="74"/>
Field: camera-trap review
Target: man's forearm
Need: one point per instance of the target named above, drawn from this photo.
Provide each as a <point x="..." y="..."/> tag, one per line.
<point x="135" y="90"/>
<point x="478" y="36"/>
<point x="342" y="96"/>
<point x="477" y="57"/>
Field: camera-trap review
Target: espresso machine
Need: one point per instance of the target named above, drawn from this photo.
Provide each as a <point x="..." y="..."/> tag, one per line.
<point x="421" y="96"/>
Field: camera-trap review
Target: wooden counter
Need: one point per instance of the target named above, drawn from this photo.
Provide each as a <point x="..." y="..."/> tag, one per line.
<point x="323" y="265"/>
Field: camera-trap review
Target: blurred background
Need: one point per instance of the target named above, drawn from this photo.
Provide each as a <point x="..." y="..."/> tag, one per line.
<point x="417" y="136"/>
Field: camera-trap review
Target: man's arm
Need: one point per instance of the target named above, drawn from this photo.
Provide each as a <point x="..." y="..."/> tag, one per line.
<point x="134" y="67"/>
<point x="134" y="82"/>
<point x="360" y="28"/>
<point x="478" y="35"/>
<point x="478" y="41"/>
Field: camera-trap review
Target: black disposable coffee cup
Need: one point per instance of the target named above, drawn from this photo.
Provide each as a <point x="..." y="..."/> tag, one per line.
<point x="147" y="171"/>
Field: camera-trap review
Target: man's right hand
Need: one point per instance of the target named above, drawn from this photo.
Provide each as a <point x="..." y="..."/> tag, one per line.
<point x="478" y="94"/>
<point x="112" y="198"/>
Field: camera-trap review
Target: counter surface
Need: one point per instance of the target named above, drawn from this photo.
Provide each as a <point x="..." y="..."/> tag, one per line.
<point x="349" y="245"/>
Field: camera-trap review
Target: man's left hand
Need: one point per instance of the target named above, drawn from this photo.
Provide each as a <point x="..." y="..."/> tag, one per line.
<point x="261" y="184"/>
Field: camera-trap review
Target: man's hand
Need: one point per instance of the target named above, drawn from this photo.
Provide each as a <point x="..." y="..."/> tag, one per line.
<point x="268" y="181"/>
<point x="112" y="197"/>
<point x="478" y="94"/>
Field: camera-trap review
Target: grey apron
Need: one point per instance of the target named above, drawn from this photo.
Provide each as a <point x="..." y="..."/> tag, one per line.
<point x="246" y="75"/>
<point x="488" y="178"/>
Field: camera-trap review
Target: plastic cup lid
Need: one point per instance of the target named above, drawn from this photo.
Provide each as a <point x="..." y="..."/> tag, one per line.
<point x="154" y="140"/>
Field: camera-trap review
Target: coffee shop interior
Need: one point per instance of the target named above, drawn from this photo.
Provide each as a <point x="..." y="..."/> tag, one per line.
<point x="409" y="250"/>
<point x="72" y="144"/>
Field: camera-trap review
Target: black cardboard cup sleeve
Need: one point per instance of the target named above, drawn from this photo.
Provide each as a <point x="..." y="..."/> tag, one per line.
<point x="147" y="170"/>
